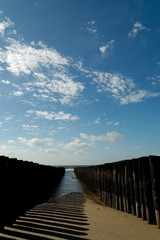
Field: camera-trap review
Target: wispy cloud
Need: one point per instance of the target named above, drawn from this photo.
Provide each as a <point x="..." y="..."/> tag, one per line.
<point x="97" y="121"/>
<point x="86" y="142"/>
<point x="155" y="79"/>
<point x="121" y="88"/>
<point x="112" y="123"/>
<point x="17" y="93"/>
<point x="5" y="121"/>
<point x="5" y="24"/>
<point x="10" y="141"/>
<point x="29" y="127"/>
<point x="5" y="81"/>
<point x="48" y="75"/>
<point x="47" y="67"/>
<point x="37" y="142"/>
<point x="105" y="47"/>
<point x="90" y="26"/>
<point x="137" y="27"/>
<point x="78" y="146"/>
<point x="22" y="58"/>
<point x="8" y="118"/>
<point x="111" y="137"/>
<point x="53" y="116"/>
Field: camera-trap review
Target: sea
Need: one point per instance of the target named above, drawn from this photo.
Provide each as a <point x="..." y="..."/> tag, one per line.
<point x="69" y="183"/>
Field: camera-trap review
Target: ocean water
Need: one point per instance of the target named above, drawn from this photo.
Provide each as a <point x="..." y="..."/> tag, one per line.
<point x="68" y="184"/>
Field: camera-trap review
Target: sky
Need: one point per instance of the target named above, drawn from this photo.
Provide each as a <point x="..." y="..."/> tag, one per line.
<point x="79" y="80"/>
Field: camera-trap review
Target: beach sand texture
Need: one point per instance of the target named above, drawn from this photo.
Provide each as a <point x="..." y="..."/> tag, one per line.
<point x="109" y="224"/>
<point x="78" y="216"/>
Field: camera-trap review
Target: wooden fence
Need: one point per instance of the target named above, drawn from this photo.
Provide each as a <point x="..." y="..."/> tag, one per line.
<point x="24" y="184"/>
<point x="132" y="186"/>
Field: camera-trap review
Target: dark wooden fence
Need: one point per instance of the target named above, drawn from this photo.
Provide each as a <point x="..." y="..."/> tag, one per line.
<point x="24" y="184"/>
<point x="132" y="186"/>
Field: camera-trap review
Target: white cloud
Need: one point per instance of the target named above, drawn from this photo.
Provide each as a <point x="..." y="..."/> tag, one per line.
<point x="112" y="123"/>
<point x="36" y="142"/>
<point x="8" y="118"/>
<point x="53" y="115"/>
<point x="77" y="146"/>
<point x="1" y="69"/>
<point x="65" y="86"/>
<point x="116" y="123"/>
<point x="111" y="137"/>
<point x="47" y="67"/>
<point x="17" y="93"/>
<point x="45" y="145"/>
<point x="10" y="141"/>
<point x="29" y="127"/>
<point x="4" y="25"/>
<point x="138" y="96"/>
<point x="22" y="58"/>
<point x="47" y="74"/>
<point x="88" y="141"/>
<point x="155" y="79"/>
<point x="104" y="48"/>
<point x="97" y="121"/>
<point x="121" y="88"/>
<point x="90" y="26"/>
<point x="45" y="97"/>
<point x="5" y="81"/>
<point x="135" y="30"/>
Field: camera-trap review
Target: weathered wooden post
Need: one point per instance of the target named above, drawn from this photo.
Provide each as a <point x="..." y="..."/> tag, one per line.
<point x="131" y="187"/>
<point x="115" y="185"/>
<point x="123" y="185"/>
<point x="147" y="187"/>
<point x="155" y="180"/>
<point x="136" y="187"/>
<point x="111" y="185"/>
<point x="127" y="190"/>
<point x="107" y="186"/>
<point x="143" y="207"/>
<point x="120" y="196"/>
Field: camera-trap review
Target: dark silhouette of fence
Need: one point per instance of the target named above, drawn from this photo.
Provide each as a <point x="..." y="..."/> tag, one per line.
<point x="132" y="186"/>
<point x="23" y="185"/>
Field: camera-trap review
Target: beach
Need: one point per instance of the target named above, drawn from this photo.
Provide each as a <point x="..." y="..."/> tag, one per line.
<point x="78" y="216"/>
<point x="106" y="223"/>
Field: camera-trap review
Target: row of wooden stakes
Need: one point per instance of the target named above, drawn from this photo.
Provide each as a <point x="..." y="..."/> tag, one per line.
<point x="131" y="186"/>
<point x="23" y="184"/>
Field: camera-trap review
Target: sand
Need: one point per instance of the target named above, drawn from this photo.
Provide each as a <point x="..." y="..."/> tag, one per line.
<point x="79" y="216"/>
<point x="110" y="224"/>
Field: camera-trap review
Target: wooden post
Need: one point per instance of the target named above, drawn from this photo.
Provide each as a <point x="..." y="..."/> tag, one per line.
<point x="136" y="187"/>
<point x="155" y="180"/>
<point x="123" y="185"/>
<point x="120" y="196"/>
<point x="150" y="214"/>
<point x="143" y="207"/>
<point x="127" y="190"/>
<point x="131" y="187"/>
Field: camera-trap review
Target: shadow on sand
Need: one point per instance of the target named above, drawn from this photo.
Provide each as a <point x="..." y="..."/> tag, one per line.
<point x="63" y="218"/>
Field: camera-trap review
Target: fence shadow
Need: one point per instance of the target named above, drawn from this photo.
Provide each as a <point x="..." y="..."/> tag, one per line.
<point x="63" y="218"/>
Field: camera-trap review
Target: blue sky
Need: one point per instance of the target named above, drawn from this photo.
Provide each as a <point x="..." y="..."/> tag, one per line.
<point x="79" y="80"/>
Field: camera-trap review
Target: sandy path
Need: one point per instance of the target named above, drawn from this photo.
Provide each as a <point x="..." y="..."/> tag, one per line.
<point x="109" y="224"/>
<point x="78" y="216"/>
